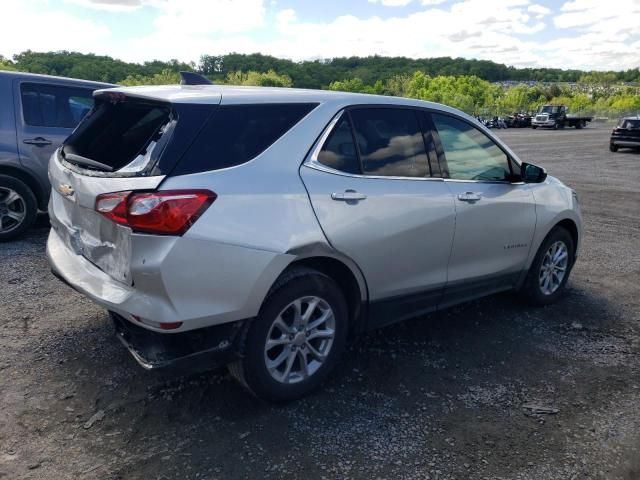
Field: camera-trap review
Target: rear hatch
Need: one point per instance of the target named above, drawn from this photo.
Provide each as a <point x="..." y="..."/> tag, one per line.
<point x="125" y="143"/>
<point x="628" y="129"/>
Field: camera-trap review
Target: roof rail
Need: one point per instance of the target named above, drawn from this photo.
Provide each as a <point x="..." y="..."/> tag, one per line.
<point x="192" y="78"/>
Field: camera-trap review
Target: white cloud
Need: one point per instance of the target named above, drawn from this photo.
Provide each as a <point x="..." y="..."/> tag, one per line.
<point x="108" y="5"/>
<point x="403" y="3"/>
<point x="392" y="3"/>
<point x="48" y="30"/>
<point x="538" y="10"/>
<point x="585" y="34"/>
<point x="209" y="16"/>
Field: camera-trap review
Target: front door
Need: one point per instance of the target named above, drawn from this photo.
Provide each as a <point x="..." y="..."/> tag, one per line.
<point x="495" y="212"/>
<point x="372" y="191"/>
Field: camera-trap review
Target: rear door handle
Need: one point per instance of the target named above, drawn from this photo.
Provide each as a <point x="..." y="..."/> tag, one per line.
<point x="39" y="141"/>
<point x="469" y="197"/>
<point x="348" y="195"/>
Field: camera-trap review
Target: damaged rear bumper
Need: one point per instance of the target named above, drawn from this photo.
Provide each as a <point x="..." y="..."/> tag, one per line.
<point x="201" y="349"/>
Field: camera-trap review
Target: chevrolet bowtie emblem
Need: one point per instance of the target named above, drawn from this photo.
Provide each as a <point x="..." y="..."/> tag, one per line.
<point x="66" y="190"/>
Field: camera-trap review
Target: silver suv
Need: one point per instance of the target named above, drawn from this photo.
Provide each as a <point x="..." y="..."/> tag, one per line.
<point x="260" y="227"/>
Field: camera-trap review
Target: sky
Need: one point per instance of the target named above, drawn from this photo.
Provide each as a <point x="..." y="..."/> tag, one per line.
<point x="583" y="34"/>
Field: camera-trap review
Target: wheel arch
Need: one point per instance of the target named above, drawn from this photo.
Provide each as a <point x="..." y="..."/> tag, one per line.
<point x="348" y="277"/>
<point x="31" y="181"/>
<point x="572" y="228"/>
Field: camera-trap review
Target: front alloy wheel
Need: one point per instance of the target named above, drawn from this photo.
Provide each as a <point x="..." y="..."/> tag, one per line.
<point x="549" y="272"/>
<point x="554" y="268"/>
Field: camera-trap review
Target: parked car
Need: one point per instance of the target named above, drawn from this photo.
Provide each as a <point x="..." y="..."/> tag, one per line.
<point x="518" y="120"/>
<point x="40" y="112"/>
<point x="259" y="227"/>
<point x="626" y="134"/>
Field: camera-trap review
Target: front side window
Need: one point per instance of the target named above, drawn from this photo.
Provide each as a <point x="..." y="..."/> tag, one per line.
<point x="54" y="106"/>
<point x="469" y="153"/>
<point x="390" y="142"/>
<point x="339" y="151"/>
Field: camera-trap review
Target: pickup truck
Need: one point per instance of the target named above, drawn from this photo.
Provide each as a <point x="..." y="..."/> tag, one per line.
<point x="38" y="112"/>
<point x="557" y="116"/>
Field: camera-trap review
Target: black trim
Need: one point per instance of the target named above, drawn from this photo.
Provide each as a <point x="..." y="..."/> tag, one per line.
<point x="395" y="309"/>
<point x="193" y="350"/>
<point x="467" y="290"/>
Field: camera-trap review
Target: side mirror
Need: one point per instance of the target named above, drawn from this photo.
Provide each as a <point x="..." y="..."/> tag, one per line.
<point x="532" y="173"/>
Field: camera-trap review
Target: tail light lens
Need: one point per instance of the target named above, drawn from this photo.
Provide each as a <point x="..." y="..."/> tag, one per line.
<point x="169" y="212"/>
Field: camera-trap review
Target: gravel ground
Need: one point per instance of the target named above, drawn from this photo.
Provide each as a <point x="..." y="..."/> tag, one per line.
<point x="487" y="390"/>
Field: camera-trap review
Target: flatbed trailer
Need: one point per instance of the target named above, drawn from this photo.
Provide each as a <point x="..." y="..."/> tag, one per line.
<point x="557" y="116"/>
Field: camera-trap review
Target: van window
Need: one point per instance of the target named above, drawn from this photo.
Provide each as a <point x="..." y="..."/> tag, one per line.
<point x="54" y="106"/>
<point x="236" y="134"/>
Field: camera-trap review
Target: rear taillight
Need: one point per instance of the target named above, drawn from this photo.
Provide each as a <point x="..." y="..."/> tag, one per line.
<point x="169" y="212"/>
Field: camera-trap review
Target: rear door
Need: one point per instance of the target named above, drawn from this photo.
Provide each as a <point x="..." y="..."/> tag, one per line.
<point x="495" y="211"/>
<point x="370" y="185"/>
<point x="46" y="114"/>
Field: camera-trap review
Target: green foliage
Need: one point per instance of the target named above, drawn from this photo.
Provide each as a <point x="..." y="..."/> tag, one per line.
<point x="91" y="67"/>
<point x="6" y="64"/>
<point x="268" y="79"/>
<point x="165" y="77"/>
<point x="461" y="83"/>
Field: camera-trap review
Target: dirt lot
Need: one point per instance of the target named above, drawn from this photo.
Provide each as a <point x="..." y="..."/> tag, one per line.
<point x="438" y="397"/>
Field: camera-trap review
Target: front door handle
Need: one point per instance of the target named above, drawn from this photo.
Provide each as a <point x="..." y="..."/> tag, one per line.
<point x="469" y="197"/>
<point x="348" y="195"/>
<point x="38" y="141"/>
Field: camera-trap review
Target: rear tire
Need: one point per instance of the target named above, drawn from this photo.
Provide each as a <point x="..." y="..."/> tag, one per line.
<point x="550" y="270"/>
<point x="18" y="207"/>
<point x="284" y="356"/>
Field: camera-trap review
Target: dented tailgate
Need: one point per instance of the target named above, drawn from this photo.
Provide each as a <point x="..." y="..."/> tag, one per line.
<point x="104" y="243"/>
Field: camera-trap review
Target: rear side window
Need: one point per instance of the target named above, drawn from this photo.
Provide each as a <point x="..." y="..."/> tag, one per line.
<point x="54" y="106"/>
<point x="236" y="134"/>
<point x="339" y="151"/>
<point x="390" y="142"/>
<point x="116" y="133"/>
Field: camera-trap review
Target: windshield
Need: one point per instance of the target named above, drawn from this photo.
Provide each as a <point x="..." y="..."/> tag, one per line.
<point x="630" y="124"/>
<point x="549" y="109"/>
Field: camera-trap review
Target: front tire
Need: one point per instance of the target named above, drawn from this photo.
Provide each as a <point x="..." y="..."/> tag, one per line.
<point x="18" y="207"/>
<point x="296" y="339"/>
<point x="613" y="148"/>
<point x="549" y="272"/>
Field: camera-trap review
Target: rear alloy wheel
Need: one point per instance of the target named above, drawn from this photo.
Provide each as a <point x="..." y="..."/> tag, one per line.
<point x="550" y="269"/>
<point x="296" y="339"/>
<point x="18" y="208"/>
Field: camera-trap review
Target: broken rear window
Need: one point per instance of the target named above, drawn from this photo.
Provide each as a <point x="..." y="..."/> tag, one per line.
<point x="116" y="134"/>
